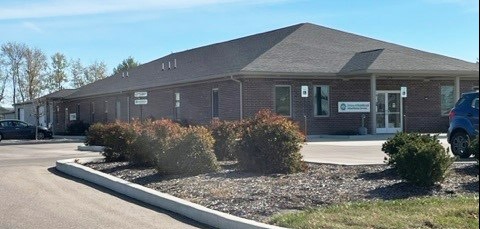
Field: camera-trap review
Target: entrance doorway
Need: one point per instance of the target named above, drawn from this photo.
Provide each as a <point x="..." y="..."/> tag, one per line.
<point x="389" y="109"/>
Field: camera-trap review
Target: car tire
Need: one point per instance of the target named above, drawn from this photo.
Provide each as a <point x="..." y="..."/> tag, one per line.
<point x="1" y="137"/>
<point x="40" y="136"/>
<point x="459" y="144"/>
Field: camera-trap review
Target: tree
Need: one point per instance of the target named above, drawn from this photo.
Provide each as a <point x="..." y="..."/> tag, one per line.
<point x="76" y="69"/>
<point x="95" y="71"/>
<point x="31" y="82"/>
<point x="13" y="55"/>
<point x="3" y="82"/>
<point x="58" y="76"/>
<point x="126" y="64"/>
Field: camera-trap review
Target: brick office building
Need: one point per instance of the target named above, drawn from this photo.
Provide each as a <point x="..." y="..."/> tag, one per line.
<point x="345" y="78"/>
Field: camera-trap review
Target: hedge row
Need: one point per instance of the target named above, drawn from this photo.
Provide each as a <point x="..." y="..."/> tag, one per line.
<point x="266" y="143"/>
<point x="419" y="159"/>
<point x="172" y="149"/>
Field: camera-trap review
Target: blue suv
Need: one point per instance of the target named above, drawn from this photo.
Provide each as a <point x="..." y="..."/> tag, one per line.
<point x="463" y="124"/>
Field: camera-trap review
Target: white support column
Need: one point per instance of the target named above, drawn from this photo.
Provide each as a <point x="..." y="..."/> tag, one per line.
<point x="373" y="103"/>
<point x="457" y="88"/>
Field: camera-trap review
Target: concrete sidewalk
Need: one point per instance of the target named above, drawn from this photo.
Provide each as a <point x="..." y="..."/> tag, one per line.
<point x="367" y="137"/>
<point x="349" y="149"/>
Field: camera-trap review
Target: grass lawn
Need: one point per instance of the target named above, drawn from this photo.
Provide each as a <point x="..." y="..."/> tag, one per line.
<point x="426" y="212"/>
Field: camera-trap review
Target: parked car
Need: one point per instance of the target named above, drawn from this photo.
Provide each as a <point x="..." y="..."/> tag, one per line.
<point x="16" y="129"/>
<point x="463" y="124"/>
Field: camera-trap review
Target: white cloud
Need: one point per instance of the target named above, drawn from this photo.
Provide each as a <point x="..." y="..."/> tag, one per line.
<point x="468" y="5"/>
<point x="31" y="26"/>
<point x="57" y="8"/>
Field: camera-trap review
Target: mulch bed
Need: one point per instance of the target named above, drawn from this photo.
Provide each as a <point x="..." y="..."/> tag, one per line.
<point x="258" y="197"/>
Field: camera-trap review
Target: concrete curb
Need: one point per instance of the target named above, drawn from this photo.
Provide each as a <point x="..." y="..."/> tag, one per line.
<point x="91" y="148"/>
<point x="193" y="211"/>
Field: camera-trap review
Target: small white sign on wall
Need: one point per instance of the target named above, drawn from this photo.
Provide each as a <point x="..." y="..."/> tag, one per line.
<point x="138" y="94"/>
<point x="403" y="92"/>
<point x="73" y="116"/>
<point x="141" y="101"/>
<point x="304" y="91"/>
<point x="353" y="107"/>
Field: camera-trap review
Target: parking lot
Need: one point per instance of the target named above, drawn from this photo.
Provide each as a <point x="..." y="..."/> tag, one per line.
<point x="348" y="151"/>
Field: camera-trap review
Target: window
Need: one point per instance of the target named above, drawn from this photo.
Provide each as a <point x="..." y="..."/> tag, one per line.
<point x="177" y="106"/>
<point x="106" y="111"/>
<point x="283" y="100"/>
<point x="447" y="99"/>
<point x="321" y="101"/>
<point x="215" y="103"/>
<point x="78" y="111"/>
<point x="475" y="103"/>
<point x="117" y="110"/>
<point x="56" y="114"/>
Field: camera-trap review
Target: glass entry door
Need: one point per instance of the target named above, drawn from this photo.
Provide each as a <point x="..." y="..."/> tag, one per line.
<point x="389" y="112"/>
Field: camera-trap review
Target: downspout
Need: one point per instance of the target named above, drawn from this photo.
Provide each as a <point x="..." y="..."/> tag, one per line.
<point x="241" y="95"/>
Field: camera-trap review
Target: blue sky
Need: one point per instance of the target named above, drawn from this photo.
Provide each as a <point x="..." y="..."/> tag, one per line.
<point x="112" y="30"/>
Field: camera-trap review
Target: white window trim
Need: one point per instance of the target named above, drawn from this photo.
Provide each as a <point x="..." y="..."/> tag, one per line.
<point x="315" y="102"/>
<point x="275" y="99"/>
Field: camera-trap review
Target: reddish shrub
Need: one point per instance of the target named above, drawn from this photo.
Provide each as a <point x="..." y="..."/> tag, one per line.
<point x="271" y="144"/>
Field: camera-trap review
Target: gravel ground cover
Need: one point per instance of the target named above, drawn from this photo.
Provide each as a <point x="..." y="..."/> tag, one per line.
<point x="259" y="197"/>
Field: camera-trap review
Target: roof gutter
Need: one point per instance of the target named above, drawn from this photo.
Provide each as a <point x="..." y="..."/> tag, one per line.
<point x="240" y="83"/>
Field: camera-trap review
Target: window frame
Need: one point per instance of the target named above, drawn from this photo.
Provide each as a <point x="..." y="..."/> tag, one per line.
<point x="315" y="101"/>
<point x="290" y="98"/>
<point x="444" y="114"/>
<point x="118" y="110"/>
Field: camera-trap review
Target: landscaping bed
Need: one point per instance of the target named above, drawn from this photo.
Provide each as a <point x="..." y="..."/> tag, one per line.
<point x="259" y="197"/>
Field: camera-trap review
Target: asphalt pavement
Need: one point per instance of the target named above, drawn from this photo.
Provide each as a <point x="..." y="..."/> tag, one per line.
<point x="35" y="195"/>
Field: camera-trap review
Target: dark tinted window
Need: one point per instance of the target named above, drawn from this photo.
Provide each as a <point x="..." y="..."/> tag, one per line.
<point x="215" y="103"/>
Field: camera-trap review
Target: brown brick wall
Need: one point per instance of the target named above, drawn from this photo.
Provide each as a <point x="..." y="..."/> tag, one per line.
<point x="421" y="107"/>
<point x="259" y="94"/>
<point x="195" y="105"/>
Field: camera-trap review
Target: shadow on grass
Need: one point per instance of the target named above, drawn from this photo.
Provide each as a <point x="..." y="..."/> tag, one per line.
<point x="176" y="216"/>
<point x="400" y="190"/>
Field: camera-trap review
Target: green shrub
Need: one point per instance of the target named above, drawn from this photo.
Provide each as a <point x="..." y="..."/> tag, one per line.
<point x="393" y="145"/>
<point x="152" y="139"/>
<point x="422" y="163"/>
<point x="117" y="139"/>
<point x="77" y="128"/>
<point x="95" y="135"/>
<point x="191" y="154"/>
<point x="226" y="135"/>
<point x="271" y="144"/>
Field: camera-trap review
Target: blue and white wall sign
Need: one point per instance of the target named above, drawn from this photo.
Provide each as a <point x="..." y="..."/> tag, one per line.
<point x="353" y="107"/>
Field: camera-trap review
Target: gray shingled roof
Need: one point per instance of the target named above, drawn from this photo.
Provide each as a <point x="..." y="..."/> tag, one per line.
<point x="299" y="49"/>
<point x="60" y="94"/>
<point x="4" y="110"/>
